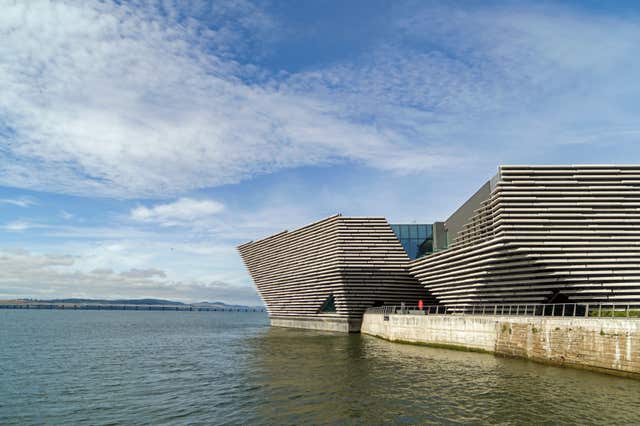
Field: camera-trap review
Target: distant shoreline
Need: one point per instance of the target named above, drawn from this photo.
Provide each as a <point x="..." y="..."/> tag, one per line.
<point x="88" y="306"/>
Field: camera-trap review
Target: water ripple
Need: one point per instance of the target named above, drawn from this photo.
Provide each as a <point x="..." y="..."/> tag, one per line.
<point x="175" y="368"/>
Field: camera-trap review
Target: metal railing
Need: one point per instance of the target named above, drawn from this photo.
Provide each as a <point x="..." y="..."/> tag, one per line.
<point x="589" y="310"/>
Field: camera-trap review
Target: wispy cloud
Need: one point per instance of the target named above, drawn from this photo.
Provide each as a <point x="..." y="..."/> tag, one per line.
<point x="184" y="211"/>
<point x="22" y="274"/>
<point x="66" y="215"/>
<point x="502" y="84"/>
<point x="152" y="99"/>
<point x="20" y="225"/>
<point x="143" y="273"/>
<point x="102" y="271"/>
<point x="110" y="99"/>
<point x="20" y="202"/>
<point x="101" y="98"/>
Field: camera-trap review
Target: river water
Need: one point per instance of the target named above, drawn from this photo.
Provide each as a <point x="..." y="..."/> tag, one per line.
<point x="119" y="367"/>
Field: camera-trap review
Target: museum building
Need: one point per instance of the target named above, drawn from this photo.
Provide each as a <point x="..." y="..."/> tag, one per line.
<point x="531" y="234"/>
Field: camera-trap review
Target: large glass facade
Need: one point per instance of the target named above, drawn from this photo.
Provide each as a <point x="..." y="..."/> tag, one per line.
<point x="416" y="239"/>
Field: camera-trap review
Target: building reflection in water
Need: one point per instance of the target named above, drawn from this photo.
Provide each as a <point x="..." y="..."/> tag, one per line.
<point x="303" y="376"/>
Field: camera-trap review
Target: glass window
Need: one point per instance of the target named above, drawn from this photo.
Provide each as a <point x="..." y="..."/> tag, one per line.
<point x="416" y="239"/>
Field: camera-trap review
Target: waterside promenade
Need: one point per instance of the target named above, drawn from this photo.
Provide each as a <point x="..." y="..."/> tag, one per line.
<point x="603" y="338"/>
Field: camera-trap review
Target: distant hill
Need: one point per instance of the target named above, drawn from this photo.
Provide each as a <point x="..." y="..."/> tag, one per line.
<point x="221" y="305"/>
<point x="145" y="302"/>
<point x="114" y="302"/>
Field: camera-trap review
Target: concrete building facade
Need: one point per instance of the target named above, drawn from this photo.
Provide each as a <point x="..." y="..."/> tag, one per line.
<point x="543" y="234"/>
<point x="531" y="234"/>
<point x="326" y="274"/>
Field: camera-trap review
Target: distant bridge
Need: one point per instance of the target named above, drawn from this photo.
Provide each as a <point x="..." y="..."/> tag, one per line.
<point x="124" y="307"/>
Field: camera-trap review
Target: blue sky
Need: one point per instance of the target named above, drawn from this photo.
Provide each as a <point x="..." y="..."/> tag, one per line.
<point x="141" y="141"/>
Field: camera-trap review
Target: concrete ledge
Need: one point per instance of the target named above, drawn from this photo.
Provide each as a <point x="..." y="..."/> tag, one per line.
<point x="343" y="325"/>
<point x="607" y="345"/>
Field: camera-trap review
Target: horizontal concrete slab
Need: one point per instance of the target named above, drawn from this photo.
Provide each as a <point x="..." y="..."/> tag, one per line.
<point x="343" y="325"/>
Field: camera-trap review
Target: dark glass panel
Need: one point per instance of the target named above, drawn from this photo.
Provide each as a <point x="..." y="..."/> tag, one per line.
<point x="329" y="305"/>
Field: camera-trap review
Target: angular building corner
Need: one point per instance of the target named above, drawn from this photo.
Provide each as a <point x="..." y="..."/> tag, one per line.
<point x="326" y="274"/>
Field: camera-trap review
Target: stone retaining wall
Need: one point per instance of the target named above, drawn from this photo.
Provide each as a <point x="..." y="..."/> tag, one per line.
<point x="610" y="345"/>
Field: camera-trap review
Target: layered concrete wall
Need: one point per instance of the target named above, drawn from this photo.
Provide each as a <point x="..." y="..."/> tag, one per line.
<point x="358" y="262"/>
<point x="609" y="345"/>
<point x="542" y="234"/>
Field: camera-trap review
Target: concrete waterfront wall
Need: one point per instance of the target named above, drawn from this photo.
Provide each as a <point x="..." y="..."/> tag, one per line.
<point x="608" y="345"/>
<point x="343" y="325"/>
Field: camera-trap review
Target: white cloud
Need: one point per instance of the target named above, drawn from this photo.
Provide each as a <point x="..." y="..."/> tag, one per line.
<point x="100" y="99"/>
<point x="127" y="101"/>
<point x="20" y="202"/>
<point x="106" y="99"/>
<point x="19" y="226"/>
<point x="509" y="84"/>
<point x="184" y="211"/>
<point x="66" y="215"/>
<point x="143" y="273"/>
<point x="102" y="271"/>
<point x="34" y="275"/>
